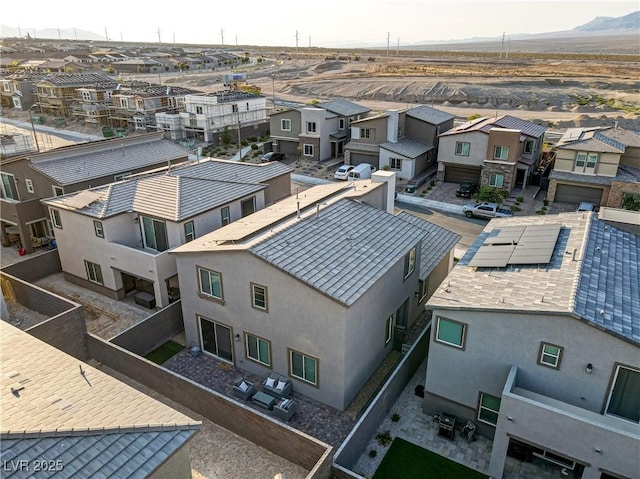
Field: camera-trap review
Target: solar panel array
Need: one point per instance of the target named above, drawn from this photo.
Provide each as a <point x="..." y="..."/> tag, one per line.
<point x="517" y="245"/>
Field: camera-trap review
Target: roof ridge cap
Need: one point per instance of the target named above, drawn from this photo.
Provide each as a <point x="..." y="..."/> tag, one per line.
<point x="573" y="295"/>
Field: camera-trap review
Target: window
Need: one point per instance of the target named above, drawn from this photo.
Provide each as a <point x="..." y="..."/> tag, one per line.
<point x="9" y="188"/>
<point x="367" y="133"/>
<point x="592" y="159"/>
<point x="189" y="232"/>
<point x="258" y="349"/>
<point x="248" y="207"/>
<point x="501" y="153"/>
<point x="210" y="283"/>
<point x="488" y="409"/>
<point x="341" y="124"/>
<point x="55" y="218"/>
<point x="198" y="110"/>
<point x="97" y="227"/>
<point x="285" y="125"/>
<point x="550" y="355"/>
<point x="6" y="86"/>
<point x="259" y="297"/>
<point x="234" y="108"/>
<point x="121" y="176"/>
<point x="40" y="229"/>
<point x="528" y="146"/>
<point x="624" y="398"/>
<point x="496" y="180"/>
<point x="94" y="272"/>
<point x="311" y="127"/>
<point x="154" y="234"/>
<point x="57" y="190"/>
<point x="308" y="150"/>
<point x="303" y="367"/>
<point x="225" y="215"/>
<point x="216" y="339"/>
<point x="423" y="286"/>
<point x="581" y="159"/>
<point x="410" y="262"/>
<point x="124" y="103"/>
<point x="395" y="163"/>
<point x="463" y="148"/>
<point x="388" y="329"/>
<point x="86" y="95"/>
<point x="451" y="333"/>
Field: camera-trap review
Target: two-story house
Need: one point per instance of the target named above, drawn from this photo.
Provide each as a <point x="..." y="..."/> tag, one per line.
<point x="600" y="165"/>
<point x="17" y="89"/>
<point x="114" y="239"/>
<point x="501" y="151"/>
<point x="536" y="339"/>
<point x="316" y="287"/>
<point x="205" y="115"/>
<point x="28" y="179"/>
<point x="316" y="132"/>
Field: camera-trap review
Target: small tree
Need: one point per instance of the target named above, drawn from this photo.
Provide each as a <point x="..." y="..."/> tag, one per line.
<point x="473" y="117"/>
<point x="111" y="70"/>
<point x="491" y="194"/>
<point x="225" y="138"/>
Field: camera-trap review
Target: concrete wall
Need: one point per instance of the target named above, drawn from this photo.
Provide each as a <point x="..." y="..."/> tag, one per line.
<point x="618" y="215"/>
<point x="34" y="268"/>
<point x="178" y="466"/>
<point x="154" y="331"/>
<point x="282" y="440"/>
<point x="477" y="149"/>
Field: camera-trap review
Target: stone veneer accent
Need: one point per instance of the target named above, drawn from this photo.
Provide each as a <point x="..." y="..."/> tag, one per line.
<point x="509" y="172"/>
<point x="618" y="189"/>
<point x="305" y="140"/>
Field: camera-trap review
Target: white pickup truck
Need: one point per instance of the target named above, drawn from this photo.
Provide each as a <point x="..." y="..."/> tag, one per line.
<point x="485" y="210"/>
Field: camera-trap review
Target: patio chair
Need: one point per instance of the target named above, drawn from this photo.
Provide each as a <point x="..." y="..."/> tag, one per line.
<point x="285" y="409"/>
<point x="277" y="386"/>
<point x="243" y="389"/>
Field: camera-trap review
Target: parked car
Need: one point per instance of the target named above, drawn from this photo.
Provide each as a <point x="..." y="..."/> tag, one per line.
<point x="343" y="172"/>
<point x="485" y="210"/>
<point x="361" y="172"/>
<point x="273" y="156"/>
<point x="466" y="189"/>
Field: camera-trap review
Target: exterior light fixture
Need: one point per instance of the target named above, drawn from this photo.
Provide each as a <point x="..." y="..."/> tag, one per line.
<point x="588" y="369"/>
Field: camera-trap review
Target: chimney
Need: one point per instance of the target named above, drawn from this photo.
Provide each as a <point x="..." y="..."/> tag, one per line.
<point x="393" y="122"/>
<point x="388" y="177"/>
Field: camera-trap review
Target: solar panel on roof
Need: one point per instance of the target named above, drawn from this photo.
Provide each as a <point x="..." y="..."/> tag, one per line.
<point x="83" y="199"/>
<point x="506" y="235"/>
<point x="496" y="256"/>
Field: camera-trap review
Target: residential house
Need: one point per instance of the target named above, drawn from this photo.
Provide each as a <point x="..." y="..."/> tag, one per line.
<point x="206" y="115"/>
<point x="317" y="132"/>
<point x="92" y="103"/>
<point x="17" y="89"/>
<point x="501" y="151"/>
<point x="319" y="287"/>
<point x="135" y="106"/>
<point x="54" y="65"/>
<point x="369" y="133"/>
<point x="66" y="418"/>
<point x="536" y="339"/>
<point x="600" y="165"/>
<point x="28" y="179"/>
<point x="137" y="65"/>
<point x="115" y="238"/>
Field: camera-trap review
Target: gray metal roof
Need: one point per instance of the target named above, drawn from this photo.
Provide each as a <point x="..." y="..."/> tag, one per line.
<point x="132" y="455"/>
<point x="88" y="161"/>
<point x="598" y="139"/>
<point x="368" y="147"/>
<point x="506" y="121"/>
<point x="435" y="246"/>
<point x="586" y="179"/>
<point x="430" y="115"/>
<point x="343" y="251"/>
<point x="224" y="170"/>
<point x="608" y="293"/>
<point x="407" y="147"/>
<point x="344" y="107"/>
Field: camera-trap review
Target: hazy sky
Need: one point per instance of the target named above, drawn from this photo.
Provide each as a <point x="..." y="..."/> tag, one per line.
<point x="274" y="22"/>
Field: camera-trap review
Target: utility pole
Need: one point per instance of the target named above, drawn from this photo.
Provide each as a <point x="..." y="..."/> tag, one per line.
<point x="59" y="36"/>
<point x="398" y="47"/>
<point x="159" y="37"/>
<point x="502" y="47"/>
<point x="508" y="45"/>
<point x="174" y="37"/>
<point x="236" y="39"/>
<point x="309" y="41"/>
<point x="75" y="33"/>
<point x="106" y="34"/>
<point x="388" y="38"/>
<point x="19" y="32"/>
<point x="121" y="37"/>
<point x="222" y="35"/>
<point x="296" y="39"/>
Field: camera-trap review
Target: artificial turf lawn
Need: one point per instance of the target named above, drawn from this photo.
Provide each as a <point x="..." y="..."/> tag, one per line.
<point x="407" y="461"/>
<point x="164" y="352"/>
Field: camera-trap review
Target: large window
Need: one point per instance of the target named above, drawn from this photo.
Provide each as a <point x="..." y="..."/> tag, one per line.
<point x="311" y="127"/>
<point x="501" y="153"/>
<point x="259" y="297"/>
<point x="395" y="164"/>
<point x="55" y="218"/>
<point x="94" y="272"/>
<point x="57" y="190"/>
<point x="303" y="367"/>
<point x="496" y="180"/>
<point x="98" y="228"/>
<point x="528" y="146"/>
<point x="210" y="283"/>
<point x="592" y="159"/>
<point x="581" y="160"/>
<point x="463" y="148"/>
<point x="9" y="189"/>
<point x="488" y="409"/>
<point x="624" y="398"/>
<point x="550" y="355"/>
<point x="258" y="349"/>
<point x="216" y="339"/>
<point x="189" y="232"/>
<point x="154" y="234"/>
<point x="367" y="133"/>
<point x="248" y="206"/>
<point x="285" y="125"/>
<point x="308" y="150"/>
<point x="451" y="333"/>
<point x="410" y="262"/>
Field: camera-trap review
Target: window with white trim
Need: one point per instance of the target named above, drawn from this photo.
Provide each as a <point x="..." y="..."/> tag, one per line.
<point x="501" y="153"/>
<point x="451" y="333"/>
<point x="210" y="283"/>
<point x="199" y="110"/>
<point x="154" y="233"/>
<point x="303" y="367"/>
<point x="258" y="349"/>
<point x="285" y="124"/>
<point x="225" y="215"/>
<point x="311" y="127"/>
<point x="550" y="355"/>
<point x="86" y="95"/>
<point x="367" y="133"/>
<point x="57" y="190"/>
<point x="55" y="218"/>
<point x="488" y="409"/>
<point x="98" y="229"/>
<point x="9" y="188"/>
<point x="341" y="124"/>
<point x="496" y="180"/>
<point x="308" y="150"/>
<point x="463" y="148"/>
<point x="189" y="231"/>
<point x="259" y="297"/>
<point x="94" y="272"/>
<point x="395" y="164"/>
<point x="410" y="262"/>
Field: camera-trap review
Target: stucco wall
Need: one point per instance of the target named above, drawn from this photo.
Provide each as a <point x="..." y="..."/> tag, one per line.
<point x="607" y="164"/>
<point x="477" y="150"/>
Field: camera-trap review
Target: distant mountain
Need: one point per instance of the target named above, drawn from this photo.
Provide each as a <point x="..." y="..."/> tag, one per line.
<point x="627" y="22"/>
<point x="65" y="33"/>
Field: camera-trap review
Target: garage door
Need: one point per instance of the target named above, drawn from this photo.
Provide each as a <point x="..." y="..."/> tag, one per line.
<point x="576" y="194"/>
<point x="289" y="148"/>
<point x="458" y="174"/>
<point x="357" y="158"/>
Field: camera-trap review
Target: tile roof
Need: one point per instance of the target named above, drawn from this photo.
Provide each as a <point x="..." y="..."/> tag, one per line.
<point x="87" y="161"/>
<point x="600" y="139"/>
<point x="227" y="96"/>
<point x="155" y="90"/>
<point x="226" y="170"/>
<point x="506" y="121"/>
<point x="343" y="251"/>
<point x="430" y="115"/>
<point x="344" y="107"/>
<point x="78" y="79"/>
<point x="407" y="147"/>
<point x="369" y="147"/>
<point x="625" y="137"/>
<point x="435" y="246"/>
<point x="580" y="279"/>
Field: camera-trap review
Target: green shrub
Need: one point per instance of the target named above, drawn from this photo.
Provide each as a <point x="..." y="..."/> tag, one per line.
<point x="384" y="438"/>
<point x="545" y="202"/>
<point x="395" y="417"/>
<point x="491" y="194"/>
<point x="432" y="183"/>
<point x="541" y="212"/>
<point x="254" y="146"/>
<point x="520" y="199"/>
<point x="515" y="208"/>
<point x="373" y="453"/>
<point x="244" y="143"/>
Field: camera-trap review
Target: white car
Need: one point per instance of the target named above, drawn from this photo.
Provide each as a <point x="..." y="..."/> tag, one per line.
<point x="343" y="172"/>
